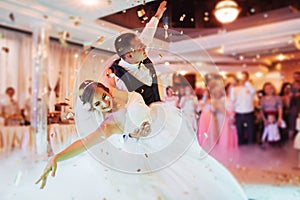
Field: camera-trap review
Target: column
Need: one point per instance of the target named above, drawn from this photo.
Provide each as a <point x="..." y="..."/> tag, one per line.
<point x="39" y="104"/>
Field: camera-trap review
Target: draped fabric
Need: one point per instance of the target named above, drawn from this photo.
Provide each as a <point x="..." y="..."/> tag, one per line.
<point x="15" y="63"/>
<point x="16" y="67"/>
<point x="53" y="72"/>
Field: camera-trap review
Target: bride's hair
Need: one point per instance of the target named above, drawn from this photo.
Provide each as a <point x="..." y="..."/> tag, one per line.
<point x="88" y="88"/>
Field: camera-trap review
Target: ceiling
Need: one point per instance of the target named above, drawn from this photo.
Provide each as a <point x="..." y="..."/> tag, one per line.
<point x="254" y="41"/>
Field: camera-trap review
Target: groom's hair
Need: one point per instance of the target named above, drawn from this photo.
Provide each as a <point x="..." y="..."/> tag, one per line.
<point x="122" y="44"/>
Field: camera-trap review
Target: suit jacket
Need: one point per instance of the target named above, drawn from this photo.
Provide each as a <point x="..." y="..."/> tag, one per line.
<point x="150" y="94"/>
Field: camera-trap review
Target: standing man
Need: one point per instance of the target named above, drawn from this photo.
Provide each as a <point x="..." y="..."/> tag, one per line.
<point x="134" y="71"/>
<point x="243" y="99"/>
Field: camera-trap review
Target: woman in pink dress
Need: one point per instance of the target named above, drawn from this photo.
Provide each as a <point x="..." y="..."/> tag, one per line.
<point x="216" y="131"/>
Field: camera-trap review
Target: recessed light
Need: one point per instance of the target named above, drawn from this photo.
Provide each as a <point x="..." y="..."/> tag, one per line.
<point x="90" y="2"/>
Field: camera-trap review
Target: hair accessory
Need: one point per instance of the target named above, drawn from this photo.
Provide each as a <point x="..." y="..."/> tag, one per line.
<point x="88" y="84"/>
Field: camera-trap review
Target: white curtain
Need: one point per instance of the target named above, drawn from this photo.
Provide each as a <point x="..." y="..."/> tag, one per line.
<point x="54" y="60"/>
<point x="16" y="67"/>
<point x="15" y="63"/>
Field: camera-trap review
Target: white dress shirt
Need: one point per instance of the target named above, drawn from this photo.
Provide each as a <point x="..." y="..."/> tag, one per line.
<point x="243" y="97"/>
<point x="140" y="71"/>
<point x="271" y="132"/>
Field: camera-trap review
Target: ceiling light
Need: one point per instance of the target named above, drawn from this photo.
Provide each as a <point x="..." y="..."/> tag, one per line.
<point x="281" y="57"/>
<point x="252" y="10"/>
<point x="90" y="2"/>
<point x="258" y="74"/>
<point x="226" y="11"/>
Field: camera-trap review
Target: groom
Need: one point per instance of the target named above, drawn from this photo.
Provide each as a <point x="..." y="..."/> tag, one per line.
<point x="134" y="71"/>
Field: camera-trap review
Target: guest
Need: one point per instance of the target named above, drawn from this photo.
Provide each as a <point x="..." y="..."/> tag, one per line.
<point x="258" y="120"/>
<point x="216" y="130"/>
<point x="188" y="105"/>
<point x="271" y="104"/>
<point x="26" y="111"/>
<point x="230" y="113"/>
<point x="11" y="108"/>
<point x="171" y="98"/>
<point x="271" y="131"/>
<point x="286" y="96"/>
<point x="297" y="139"/>
<point x="202" y="100"/>
<point x="294" y="109"/>
<point x="296" y="82"/>
<point x="242" y="96"/>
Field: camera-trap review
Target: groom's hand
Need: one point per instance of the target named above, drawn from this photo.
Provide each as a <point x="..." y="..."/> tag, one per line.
<point x="143" y="131"/>
<point x="161" y="9"/>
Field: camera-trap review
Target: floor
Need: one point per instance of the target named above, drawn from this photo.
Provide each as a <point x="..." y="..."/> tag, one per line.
<point x="265" y="174"/>
<point x="270" y="173"/>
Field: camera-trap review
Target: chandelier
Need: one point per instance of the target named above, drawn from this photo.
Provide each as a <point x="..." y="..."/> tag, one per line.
<point x="226" y="11"/>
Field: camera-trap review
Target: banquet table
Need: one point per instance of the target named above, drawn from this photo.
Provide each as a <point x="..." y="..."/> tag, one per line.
<point x="58" y="137"/>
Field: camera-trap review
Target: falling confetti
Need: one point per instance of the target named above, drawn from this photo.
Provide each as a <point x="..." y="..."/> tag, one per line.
<point x="87" y="45"/>
<point x="1" y="35"/>
<point x="77" y="22"/>
<point x="146" y="155"/>
<point x="18" y="178"/>
<point x="160" y="55"/>
<point x="166" y="31"/>
<point x="182" y="17"/>
<point x="12" y="17"/>
<point x="205" y="135"/>
<point x="5" y="49"/>
<point x="138" y="170"/>
<point x="100" y="40"/>
<point x="70" y="116"/>
<point x="63" y="37"/>
<point x="45" y="16"/>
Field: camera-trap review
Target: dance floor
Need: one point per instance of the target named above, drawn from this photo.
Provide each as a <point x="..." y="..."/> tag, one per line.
<point x="264" y="174"/>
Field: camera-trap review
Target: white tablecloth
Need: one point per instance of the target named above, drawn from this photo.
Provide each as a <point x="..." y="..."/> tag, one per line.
<point x="59" y="136"/>
<point x="17" y="137"/>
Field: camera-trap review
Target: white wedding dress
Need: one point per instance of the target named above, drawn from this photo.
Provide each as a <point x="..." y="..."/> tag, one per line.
<point x="167" y="164"/>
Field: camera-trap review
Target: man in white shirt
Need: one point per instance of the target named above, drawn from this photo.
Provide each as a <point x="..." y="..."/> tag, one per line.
<point x="243" y="99"/>
<point x="134" y="71"/>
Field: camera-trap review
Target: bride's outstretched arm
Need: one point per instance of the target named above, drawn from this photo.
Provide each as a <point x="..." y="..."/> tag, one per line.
<point x="106" y="129"/>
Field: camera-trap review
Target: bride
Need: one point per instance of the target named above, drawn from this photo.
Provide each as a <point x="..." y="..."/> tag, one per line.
<point x="152" y="148"/>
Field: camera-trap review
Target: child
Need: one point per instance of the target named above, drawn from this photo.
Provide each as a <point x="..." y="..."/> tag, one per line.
<point x="271" y="131"/>
<point x="297" y="139"/>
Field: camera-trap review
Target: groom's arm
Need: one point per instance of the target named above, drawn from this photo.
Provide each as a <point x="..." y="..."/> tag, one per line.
<point x="148" y="32"/>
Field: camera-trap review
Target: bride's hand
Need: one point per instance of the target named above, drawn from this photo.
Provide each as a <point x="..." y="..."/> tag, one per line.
<point x="51" y="166"/>
<point x="143" y="131"/>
